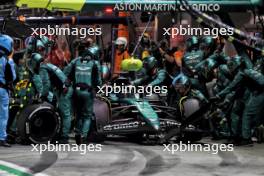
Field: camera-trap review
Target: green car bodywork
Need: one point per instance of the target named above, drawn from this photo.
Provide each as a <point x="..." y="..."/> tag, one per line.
<point x="144" y="108"/>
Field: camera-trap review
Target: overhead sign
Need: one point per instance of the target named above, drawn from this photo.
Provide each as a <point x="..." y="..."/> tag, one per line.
<point x="79" y="5"/>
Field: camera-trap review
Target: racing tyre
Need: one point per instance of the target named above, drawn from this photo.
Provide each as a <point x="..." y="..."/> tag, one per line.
<point x="38" y="123"/>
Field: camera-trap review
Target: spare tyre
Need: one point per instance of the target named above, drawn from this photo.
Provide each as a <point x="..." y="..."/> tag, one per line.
<point x="38" y="123"/>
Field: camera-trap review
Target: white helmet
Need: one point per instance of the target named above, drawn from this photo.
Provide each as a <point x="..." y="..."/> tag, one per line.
<point x="121" y="41"/>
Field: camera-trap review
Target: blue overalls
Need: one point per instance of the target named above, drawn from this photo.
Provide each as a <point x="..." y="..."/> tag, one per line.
<point x="4" y="96"/>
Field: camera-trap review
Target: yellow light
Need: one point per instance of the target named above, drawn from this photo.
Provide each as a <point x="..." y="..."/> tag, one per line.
<point x="131" y="64"/>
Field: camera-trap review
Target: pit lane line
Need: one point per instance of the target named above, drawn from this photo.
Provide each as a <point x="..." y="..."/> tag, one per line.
<point x="7" y="168"/>
<point x="47" y="159"/>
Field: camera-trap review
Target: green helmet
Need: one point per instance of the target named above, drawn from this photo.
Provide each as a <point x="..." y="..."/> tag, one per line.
<point x="181" y="80"/>
<point x="92" y="52"/>
<point x="149" y="63"/>
<point x="6" y="44"/>
<point x="181" y="84"/>
<point x="192" y="43"/>
<point x="41" y="44"/>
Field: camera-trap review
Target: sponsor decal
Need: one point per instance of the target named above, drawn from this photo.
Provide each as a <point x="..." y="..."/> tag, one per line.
<point x="129" y="125"/>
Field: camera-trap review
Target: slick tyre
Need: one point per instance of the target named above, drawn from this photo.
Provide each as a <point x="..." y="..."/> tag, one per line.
<point x="38" y="123"/>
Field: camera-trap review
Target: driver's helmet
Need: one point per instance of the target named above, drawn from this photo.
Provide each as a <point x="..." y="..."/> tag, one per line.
<point x="122" y="81"/>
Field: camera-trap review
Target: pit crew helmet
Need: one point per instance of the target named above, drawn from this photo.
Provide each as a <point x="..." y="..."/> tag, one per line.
<point x="90" y="53"/>
<point x="149" y="63"/>
<point x="181" y="83"/>
<point x="121" y="41"/>
<point x="6" y="44"/>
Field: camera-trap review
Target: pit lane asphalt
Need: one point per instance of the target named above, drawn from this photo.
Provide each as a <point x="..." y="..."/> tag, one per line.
<point x="119" y="158"/>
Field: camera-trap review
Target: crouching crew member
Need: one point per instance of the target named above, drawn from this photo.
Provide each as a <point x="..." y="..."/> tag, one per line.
<point x="56" y="87"/>
<point x="152" y="76"/>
